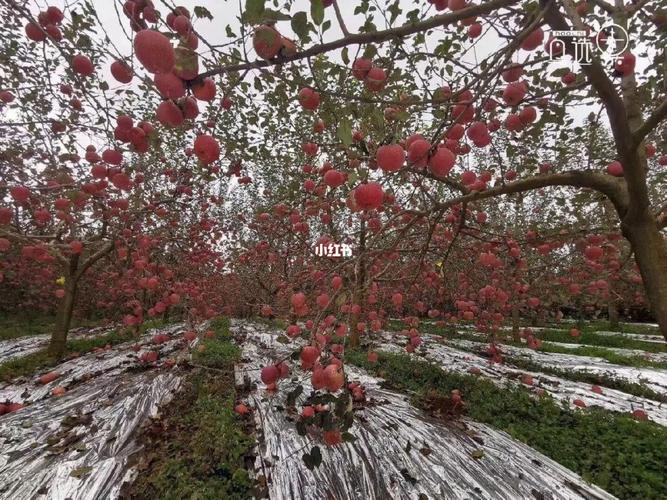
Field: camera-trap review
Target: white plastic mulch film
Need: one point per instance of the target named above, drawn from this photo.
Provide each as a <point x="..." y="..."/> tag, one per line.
<point x="78" y="445"/>
<point x="399" y="452"/>
<point x="81" y="445"/>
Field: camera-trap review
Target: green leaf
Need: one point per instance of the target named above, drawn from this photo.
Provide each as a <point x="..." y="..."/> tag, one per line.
<point x="316" y="456"/>
<point x="377" y="117"/>
<point x="344" y="132"/>
<point x="300" y="24"/>
<point x="202" y="12"/>
<point x="394" y="10"/>
<point x="274" y="15"/>
<point x="328" y="422"/>
<point x="370" y="51"/>
<point x="530" y="7"/>
<point x="254" y="10"/>
<point x="313" y="459"/>
<point x="341" y="405"/>
<point x="345" y="55"/>
<point x="317" y="11"/>
<point x="348" y="420"/>
<point x="258" y="84"/>
<point x="307" y="460"/>
<point x="291" y="397"/>
<point x="348" y="438"/>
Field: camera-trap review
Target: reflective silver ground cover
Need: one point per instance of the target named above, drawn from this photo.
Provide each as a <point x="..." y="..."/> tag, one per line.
<point x="22" y="346"/>
<point x="653" y="378"/>
<point x="118" y="399"/>
<point x="651" y="356"/>
<point x="379" y="465"/>
<point x="109" y="395"/>
<point x="445" y="353"/>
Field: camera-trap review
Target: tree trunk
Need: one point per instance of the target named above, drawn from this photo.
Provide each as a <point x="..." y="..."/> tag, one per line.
<point x="612" y="312"/>
<point x="360" y="286"/>
<point x="650" y="250"/>
<point x="515" y="322"/>
<point x="59" y="335"/>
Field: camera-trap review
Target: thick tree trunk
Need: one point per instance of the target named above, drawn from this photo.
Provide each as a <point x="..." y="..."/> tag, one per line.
<point x="64" y="320"/>
<point x="650" y="250"/>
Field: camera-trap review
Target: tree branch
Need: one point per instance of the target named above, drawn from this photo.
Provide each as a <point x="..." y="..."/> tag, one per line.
<point x="610" y="9"/>
<point x="600" y="81"/>
<point x="636" y="7"/>
<point x="659" y="114"/>
<point x="373" y="37"/>
<point x="107" y="248"/>
<point x="341" y="21"/>
<point x="29" y="239"/>
<point x="609" y="186"/>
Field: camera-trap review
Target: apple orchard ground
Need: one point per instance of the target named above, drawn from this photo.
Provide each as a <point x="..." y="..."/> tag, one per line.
<point x="544" y="421"/>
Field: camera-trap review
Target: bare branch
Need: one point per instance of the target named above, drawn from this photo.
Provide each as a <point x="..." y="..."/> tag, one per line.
<point x="341" y="21"/>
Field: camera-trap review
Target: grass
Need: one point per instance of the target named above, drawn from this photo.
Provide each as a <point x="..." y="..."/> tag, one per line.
<point x="203" y="447"/>
<point x="601" y="352"/>
<point x="219" y="352"/>
<point x="41" y="361"/>
<point x="595" y="339"/>
<point x="277" y="323"/>
<point x="587" y="338"/>
<point x="12" y="327"/>
<point x="563" y="330"/>
<point x="605" y="326"/>
<point x="584" y="351"/>
<point x="623" y="456"/>
<point x="26" y="365"/>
